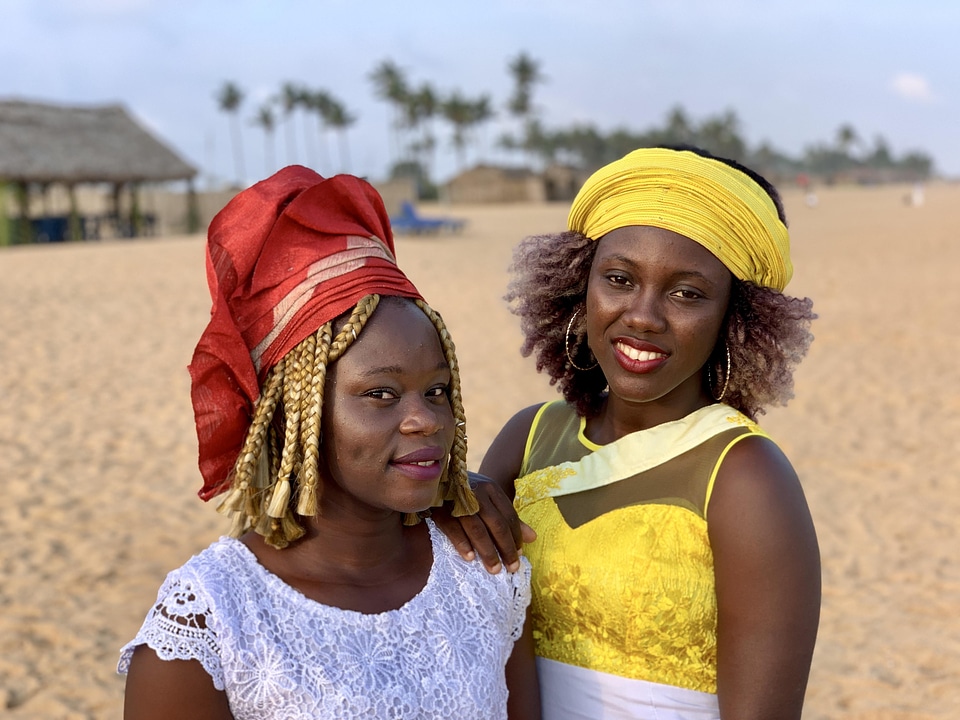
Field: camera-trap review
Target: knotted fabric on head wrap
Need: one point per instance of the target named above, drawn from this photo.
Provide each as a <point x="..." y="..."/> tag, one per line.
<point x="284" y="257"/>
<point x="704" y="199"/>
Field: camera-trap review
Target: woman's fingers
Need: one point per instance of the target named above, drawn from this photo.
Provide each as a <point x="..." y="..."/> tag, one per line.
<point x="501" y="524"/>
<point x="453" y="529"/>
<point x="477" y="530"/>
<point x="527" y="533"/>
<point x="495" y="534"/>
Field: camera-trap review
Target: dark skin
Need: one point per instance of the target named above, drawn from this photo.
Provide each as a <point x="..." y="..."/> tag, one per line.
<point x="650" y="288"/>
<point x="384" y="413"/>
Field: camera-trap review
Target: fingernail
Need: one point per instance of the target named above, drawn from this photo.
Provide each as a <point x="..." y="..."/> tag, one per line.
<point x="494" y="569"/>
<point x="470" y="556"/>
<point x="514" y="566"/>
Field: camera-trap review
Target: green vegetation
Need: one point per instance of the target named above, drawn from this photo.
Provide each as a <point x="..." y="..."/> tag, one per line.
<point x="414" y="141"/>
<point x="6" y="231"/>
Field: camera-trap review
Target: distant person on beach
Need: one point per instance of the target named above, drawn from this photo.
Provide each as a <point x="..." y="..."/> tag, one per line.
<point x="328" y="411"/>
<point x="809" y="195"/>
<point x="676" y="569"/>
<point x="916" y="195"/>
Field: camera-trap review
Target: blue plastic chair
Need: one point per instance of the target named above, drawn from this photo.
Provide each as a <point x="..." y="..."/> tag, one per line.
<point x="408" y="221"/>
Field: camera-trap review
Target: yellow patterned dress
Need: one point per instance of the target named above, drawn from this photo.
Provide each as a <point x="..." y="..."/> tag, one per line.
<point x="624" y="605"/>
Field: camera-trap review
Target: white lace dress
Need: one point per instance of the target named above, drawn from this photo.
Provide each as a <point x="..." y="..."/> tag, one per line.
<point x="279" y="655"/>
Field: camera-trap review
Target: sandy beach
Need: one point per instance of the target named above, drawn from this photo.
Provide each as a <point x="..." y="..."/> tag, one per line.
<point x="98" y="451"/>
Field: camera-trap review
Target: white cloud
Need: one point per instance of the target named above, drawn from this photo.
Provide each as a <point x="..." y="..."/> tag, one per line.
<point x="913" y="87"/>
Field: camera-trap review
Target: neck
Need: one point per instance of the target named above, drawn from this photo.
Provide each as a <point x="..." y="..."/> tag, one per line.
<point x="619" y="418"/>
<point x="337" y="548"/>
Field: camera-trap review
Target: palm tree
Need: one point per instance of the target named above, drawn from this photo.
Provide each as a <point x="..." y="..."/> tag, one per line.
<point x="321" y="102"/>
<point x="526" y="74"/>
<point x="230" y="97"/>
<point x="267" y="122"/>
<point x="538" y="143"/>
<point x="582" y="145"/>
<point x="419" y="110"/>
<point x="721" y="136"/>
<point x="340" y="119"/>
<point x="481" y="112"/>
<point x="880" y="156"/>
<point x="846" y="138"/>
<point x="289" y="100"/>
<point x="464" y="114"/>
<point x="390" y="85"/>
<point x="678" y="130"/>
<point x="458" y="111"/>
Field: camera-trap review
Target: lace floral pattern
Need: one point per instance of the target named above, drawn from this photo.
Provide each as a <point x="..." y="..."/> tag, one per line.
<point x="280" y="655"/>
<point x="590" y="610"/>
<point x="538" y="484"/>
<point x="743" y="421"/>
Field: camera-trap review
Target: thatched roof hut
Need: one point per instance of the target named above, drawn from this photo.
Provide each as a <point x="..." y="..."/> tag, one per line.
<point x="43" y="143"/>
<point x="494" y="184"/>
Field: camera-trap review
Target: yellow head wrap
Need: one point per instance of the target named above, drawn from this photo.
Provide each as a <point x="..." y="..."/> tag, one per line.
<point x="703" y="199"/>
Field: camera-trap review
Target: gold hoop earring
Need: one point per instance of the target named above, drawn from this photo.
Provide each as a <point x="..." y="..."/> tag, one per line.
<point x="566" y="346"/>
<point x="726" y="377"/>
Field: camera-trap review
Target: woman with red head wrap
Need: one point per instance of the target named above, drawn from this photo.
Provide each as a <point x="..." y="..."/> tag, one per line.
<point x="328" y="412"/>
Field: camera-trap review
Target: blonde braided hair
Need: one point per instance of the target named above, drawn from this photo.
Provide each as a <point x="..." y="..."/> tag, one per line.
<point x="262" y="491"/>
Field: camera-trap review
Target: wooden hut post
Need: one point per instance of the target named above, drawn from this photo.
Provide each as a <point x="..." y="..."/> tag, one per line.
<point x="136" y="219"/>
<point x="193" y="209"/>
<point x="5" y="238"/>
<point x="115" y="210"/>
<point x="24" y="231"/>
<point x="76" y="232"/>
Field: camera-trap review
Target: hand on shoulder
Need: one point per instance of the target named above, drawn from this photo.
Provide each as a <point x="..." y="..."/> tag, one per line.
<point x="495" y="534"/>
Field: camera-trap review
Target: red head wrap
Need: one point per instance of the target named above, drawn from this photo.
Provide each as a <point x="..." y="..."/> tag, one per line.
<point x="284" y="257"/>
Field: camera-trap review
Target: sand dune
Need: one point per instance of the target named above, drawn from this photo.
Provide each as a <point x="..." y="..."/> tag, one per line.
<point x="97" y="448"/>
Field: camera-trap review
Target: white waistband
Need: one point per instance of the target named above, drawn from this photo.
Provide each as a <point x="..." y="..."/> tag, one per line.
<point x="569" y="692"/>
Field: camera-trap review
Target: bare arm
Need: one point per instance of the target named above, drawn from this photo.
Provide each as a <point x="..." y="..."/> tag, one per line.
<point x="523" y="702"/>
<point x="767" y="564"/>
<point x="162" y="689"/>
<point x="503" y="459"/>
<point x="495" y="533"/>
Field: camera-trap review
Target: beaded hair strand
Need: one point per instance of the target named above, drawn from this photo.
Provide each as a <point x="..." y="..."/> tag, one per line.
<point x="276" y="476"/>
<point x="308" y="481"/>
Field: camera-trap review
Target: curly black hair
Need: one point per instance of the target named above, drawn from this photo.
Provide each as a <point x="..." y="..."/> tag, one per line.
<point x="766" y="332"/>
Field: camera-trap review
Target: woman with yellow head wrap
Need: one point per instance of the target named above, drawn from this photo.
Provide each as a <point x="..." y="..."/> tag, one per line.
<point x="676" y="570"/>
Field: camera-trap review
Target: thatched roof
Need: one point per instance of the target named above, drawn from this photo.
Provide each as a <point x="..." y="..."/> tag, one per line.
<point x="55" y="143"/>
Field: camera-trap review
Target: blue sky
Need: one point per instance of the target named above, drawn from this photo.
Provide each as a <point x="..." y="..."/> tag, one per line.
<point x="793" y="72"/>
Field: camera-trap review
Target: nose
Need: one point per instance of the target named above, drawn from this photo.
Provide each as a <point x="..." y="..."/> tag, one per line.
<point x="420" y="416"/>
<point x="645" y="313"/>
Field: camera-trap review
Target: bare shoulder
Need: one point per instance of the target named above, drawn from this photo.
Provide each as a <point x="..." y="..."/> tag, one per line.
<point x="503" y="459"/>
<point x="767" y="573"/>
<point x="758" y="501"/>
<point x="756" y="477"/>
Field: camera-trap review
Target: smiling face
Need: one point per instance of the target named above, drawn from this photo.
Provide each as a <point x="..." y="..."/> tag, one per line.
<point x="387" y="422"/>
<point x="656" y="301"/>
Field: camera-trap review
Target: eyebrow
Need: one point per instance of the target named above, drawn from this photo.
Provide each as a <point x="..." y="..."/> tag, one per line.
<point x="679" y="273"/>
<point x="396" y="369"/>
